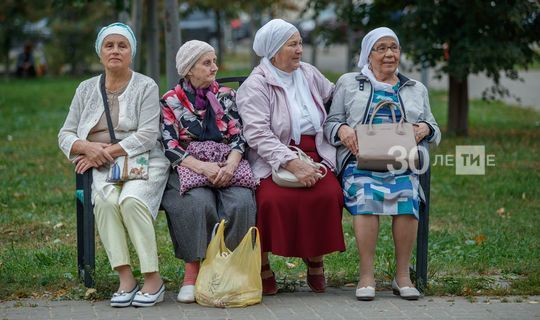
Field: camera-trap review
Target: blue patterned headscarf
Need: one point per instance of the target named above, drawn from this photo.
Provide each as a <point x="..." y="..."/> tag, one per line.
<point x="117" y="28"/>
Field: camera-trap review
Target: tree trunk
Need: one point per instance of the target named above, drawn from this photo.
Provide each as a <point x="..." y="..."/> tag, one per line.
<point x="6" y="47"/>
<point x="219" y="37"/>
<point x="73" y="58"/>
<point x="152" y="63"/>
<point x="123" y="15"/>
<point x="314" y="51"/>
<point x="254" y="23"/>
<point x="458" y="106"/>
<point x="172" y="40"/>
<point x="350" y="50"/>
<point x="351" y="44"/>
<point x="314" y="41"/>
<point x="136" y="25"/>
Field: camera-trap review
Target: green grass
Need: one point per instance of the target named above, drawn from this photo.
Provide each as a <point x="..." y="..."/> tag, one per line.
<point x="475" y="248"/>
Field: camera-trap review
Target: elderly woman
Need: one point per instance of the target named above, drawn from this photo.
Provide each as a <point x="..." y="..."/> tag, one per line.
<point x="282" y="105"/>
<point x="133" y="101"/>
<point x="355" y="97"/>
<point x="198" y="110"/>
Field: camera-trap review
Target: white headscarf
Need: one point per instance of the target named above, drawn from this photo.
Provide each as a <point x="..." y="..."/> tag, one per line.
<point x="367" y="45"/>
<point x="116" y="28"/>
<point x="268" y="41"/>
<point x="271" y="37"/>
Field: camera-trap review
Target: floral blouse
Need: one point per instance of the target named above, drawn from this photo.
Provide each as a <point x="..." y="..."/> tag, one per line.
<point x="182" y="122"/>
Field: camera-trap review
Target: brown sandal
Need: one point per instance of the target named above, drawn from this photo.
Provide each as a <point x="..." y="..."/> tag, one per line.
<point x="269" y="284"/>
<point x="317" y="282"/>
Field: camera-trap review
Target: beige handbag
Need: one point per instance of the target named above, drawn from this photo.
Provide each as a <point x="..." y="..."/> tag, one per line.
<point x="285" y="178"/>
<point x="386" y="146"/>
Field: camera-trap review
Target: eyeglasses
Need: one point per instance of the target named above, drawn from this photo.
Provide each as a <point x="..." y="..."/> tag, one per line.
<point x="383" y="48"/>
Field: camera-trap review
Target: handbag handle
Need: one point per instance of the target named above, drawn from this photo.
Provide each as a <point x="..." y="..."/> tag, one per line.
<point x="107" y="110"/>
<point x="307" y="159"/>
<point x="379" y="106"/>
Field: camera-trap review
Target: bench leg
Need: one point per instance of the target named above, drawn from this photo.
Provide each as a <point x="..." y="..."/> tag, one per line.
<point x="88" y="232"/>
<point x="80" y="231"/>
<point x="423" y="223"/>
<point x="422" y="251"/>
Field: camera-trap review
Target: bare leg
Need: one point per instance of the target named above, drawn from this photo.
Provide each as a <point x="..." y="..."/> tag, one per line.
<point x="152" y="282"/>
<point x="127" y="280"/>
<point x="191" y="272"/>
<point x="404" y="228"/>
<point x="366" y="231"/>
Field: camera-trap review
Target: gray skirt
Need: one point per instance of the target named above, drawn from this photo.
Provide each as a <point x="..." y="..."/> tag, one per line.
<point x="191" y="217"/>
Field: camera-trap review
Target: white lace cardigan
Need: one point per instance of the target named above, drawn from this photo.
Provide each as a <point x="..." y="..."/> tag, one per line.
<point x="138" y="127"/>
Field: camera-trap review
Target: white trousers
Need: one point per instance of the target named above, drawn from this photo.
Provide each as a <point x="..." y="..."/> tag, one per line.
<point x="113" y="219"/>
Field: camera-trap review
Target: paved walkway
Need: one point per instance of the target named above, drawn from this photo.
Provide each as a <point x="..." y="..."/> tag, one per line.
<point x="338" y="304"/>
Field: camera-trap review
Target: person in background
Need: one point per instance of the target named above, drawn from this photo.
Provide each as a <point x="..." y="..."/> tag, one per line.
<point x="26" y="65"/>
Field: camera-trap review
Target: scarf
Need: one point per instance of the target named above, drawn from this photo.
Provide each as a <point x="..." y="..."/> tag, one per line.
<point x="202" y="98"/>
<point x="377" y="85"/>
<point x="298" y="95"/>
<point x="271" y="37"/>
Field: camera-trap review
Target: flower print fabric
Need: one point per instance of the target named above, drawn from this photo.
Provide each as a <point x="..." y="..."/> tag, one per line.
<point x="210" y="151"/>
<point x="188" y="116"/>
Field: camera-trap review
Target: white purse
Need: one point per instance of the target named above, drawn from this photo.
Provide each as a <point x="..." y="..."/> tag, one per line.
<point x="284" y="178"/>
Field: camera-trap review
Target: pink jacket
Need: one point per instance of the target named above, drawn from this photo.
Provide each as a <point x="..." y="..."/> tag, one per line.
<point x="264" y="110"/>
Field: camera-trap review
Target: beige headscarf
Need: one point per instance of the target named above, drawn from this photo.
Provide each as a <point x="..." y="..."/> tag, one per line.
<point x="189" y="53"/>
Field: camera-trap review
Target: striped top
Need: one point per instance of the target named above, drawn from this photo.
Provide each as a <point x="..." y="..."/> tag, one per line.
<point x="384" y="114"/>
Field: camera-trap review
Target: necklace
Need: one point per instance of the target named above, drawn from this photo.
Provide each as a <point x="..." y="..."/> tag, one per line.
<point x="118" y="87"/>
<point x="119" y="90"/>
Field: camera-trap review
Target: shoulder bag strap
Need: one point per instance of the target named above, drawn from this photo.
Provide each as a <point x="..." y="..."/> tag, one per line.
<point x="107" y="110"/>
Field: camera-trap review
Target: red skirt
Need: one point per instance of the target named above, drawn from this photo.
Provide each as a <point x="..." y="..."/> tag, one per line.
<point x="301" y="222"/>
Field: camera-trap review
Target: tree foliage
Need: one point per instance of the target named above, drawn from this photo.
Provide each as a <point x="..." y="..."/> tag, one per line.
<point x="464" y="37"/>
<point x="351" y="17"/>
<point x="74" y="27"/>
<point x="481" y="36"/>
<point x="457" y="38"/>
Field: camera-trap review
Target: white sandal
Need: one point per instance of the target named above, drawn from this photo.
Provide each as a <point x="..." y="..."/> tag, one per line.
<point x="407" y="293"/>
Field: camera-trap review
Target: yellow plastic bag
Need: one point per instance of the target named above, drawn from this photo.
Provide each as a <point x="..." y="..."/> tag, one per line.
<point x="230" y="279"/>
